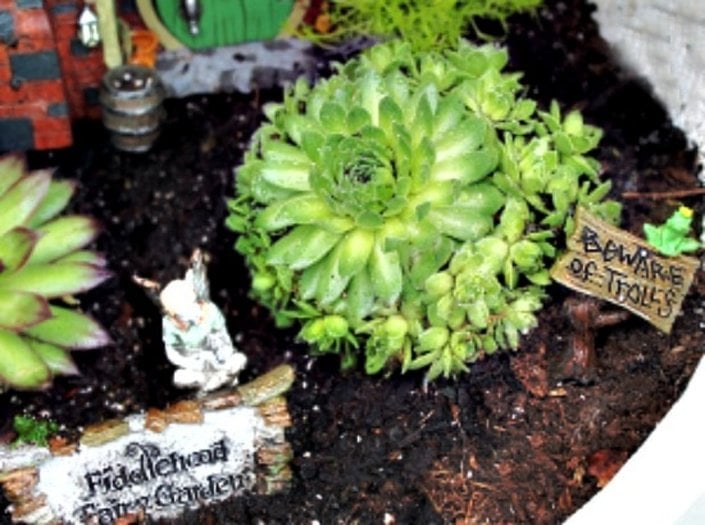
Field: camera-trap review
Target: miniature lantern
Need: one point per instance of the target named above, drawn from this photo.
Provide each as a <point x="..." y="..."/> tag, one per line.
<point x="88" y="27"/>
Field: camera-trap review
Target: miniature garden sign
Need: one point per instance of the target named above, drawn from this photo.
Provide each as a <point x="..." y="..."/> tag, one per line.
<point x="157" y="464"/>
<point x="613" y="265"/>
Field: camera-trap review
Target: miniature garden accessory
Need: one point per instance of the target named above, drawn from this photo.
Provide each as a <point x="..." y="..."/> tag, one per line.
<point x="156" y="464"/>
<point x="609" y="263"/>
<point x="672" y="237"/>
<point x="41" y="260"/>
<point x="194" y="332"/>
<point x="407" y="207"/>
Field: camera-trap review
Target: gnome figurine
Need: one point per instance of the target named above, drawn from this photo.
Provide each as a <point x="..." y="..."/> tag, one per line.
<point x="194" y="332"/>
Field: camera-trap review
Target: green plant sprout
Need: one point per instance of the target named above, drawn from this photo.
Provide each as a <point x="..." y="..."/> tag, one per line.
<point x="33" y="431"/>
<point x="406" y="209"/>
<point x="672" y="237"/>
<point x="42" y="258"/>
<point x="425" y="24"/>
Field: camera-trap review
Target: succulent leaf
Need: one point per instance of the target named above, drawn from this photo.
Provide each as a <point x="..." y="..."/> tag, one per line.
<point x="331" y="282"/>
<point x="54" y="279"/>
<point x="355" y="249"/>
<point x="16" y="247"/>
<point x="57" y="360"/>
<point x="301" y="248"/>
<point x="20" y="367"/>
<point x="86" y="257"/>
<point x="69" y="329"/>
<point x="305" y="208"/>
<point x="56" y="199"/>
<point x="287" y="175"/>
<point x="361" y="297"/>
<point x="12" y="169"/>
<point x="20" y="310"/>
<point x="19" y="202"/>
<point x="63" y="236"/>
<point x="386" y="274"/>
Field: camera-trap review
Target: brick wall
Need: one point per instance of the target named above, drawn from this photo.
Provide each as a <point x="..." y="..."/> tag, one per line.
<point x="82" y="67"/>
<point x="47" y="76"/>
<point x="33" y="106"/>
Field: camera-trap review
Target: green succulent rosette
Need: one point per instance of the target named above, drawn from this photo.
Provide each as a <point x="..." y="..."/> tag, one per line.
<point x="406" y="208"/>
<point x="43" y="263"/>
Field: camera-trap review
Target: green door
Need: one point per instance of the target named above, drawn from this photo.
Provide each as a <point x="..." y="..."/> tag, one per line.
<point x="227" y="22"/>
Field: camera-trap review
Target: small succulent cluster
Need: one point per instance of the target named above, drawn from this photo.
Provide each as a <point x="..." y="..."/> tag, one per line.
<point x="42" y="258"/>
<point x="407" y="208"/>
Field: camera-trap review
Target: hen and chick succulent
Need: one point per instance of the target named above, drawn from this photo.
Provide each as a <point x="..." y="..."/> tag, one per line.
<point x="407" y="208"/>
<point x="43" y="262"/>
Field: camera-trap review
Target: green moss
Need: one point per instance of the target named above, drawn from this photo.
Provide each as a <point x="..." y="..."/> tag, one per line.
<point x="425" y="24"/>
<point x="33" y="431"/>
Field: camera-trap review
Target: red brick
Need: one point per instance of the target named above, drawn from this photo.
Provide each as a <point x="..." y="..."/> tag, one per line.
<point x="32" y="44"/>
<point x="25" y="109"/>
<point x="33" y="30"/>
<point x="33" y="22"/>
<point x="66" y="20"/>
<point x="12" y="96"/>
<point x="44" y="140"/>
<point x="65" y="32"/>
<point x="5" y="72"/>
<point x="88" y="77"/>
<point x="51" y="132"/>
<point x="51" y="124"/>
<point x="44" y="90"/>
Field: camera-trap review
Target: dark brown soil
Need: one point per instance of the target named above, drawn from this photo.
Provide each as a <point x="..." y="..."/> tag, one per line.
<point x="503" y="444"/>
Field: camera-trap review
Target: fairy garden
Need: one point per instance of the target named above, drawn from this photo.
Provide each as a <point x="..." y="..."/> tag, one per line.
<point x="390" y="261"/>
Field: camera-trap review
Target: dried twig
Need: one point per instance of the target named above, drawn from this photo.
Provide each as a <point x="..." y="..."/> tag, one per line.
<point x="661" y="195"/>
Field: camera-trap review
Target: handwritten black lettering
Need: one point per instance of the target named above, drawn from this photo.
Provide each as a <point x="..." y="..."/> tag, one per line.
<point x="150" y="465"/>
<point x="174" y="475"/>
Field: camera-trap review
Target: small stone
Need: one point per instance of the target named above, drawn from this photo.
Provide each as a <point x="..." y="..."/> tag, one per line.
<point x="271" y="384"/>
<point x="20" y="482"/>
<point x="101" y="433"/>
<point x="274" y="480"/>
<point x="220" y="401"/>
<point x="60" y="446"/>
<point x="156" y="420"/>
<point x="28" y="506"/>
<point x="275" y="455"/>
<point x="185" y="412"/>
<point x="275" y="412"/>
